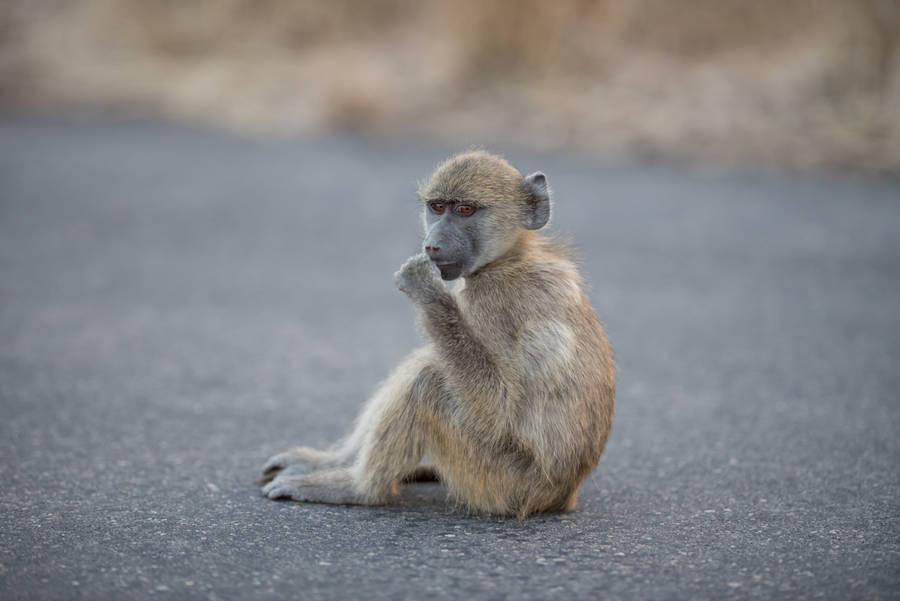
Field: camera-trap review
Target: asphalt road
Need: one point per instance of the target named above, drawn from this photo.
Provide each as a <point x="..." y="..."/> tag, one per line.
<point x="178" y="305"/>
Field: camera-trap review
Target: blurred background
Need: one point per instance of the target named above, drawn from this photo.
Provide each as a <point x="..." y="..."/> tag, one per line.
<point x="178" y="303"/>
<point x="792" y="83"/>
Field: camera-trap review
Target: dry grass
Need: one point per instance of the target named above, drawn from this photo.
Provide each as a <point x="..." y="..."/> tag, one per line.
<point x="790" y="82"/>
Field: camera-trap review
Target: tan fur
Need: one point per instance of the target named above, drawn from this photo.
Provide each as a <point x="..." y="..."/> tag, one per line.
<point x="512" y="397"/>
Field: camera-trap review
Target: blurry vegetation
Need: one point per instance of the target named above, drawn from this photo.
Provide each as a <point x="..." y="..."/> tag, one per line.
<point x="790" y="82"/>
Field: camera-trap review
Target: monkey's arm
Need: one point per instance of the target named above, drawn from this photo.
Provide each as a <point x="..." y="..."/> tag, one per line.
<point x="471" y="369"/>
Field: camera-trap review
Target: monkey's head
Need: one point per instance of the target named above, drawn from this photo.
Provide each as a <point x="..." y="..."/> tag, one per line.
<point x="475" y="208"/>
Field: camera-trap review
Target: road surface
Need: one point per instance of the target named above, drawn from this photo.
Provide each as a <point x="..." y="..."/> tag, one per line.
<point x="177" y="305"/>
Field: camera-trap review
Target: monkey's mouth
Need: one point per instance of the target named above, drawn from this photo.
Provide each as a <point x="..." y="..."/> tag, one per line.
<point x="449" y="271"/>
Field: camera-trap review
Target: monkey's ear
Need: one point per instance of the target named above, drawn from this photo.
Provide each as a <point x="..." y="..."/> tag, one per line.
<point x="537" y="195"/>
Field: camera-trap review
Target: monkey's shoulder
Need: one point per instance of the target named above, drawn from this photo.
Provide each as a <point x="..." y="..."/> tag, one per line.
<point x="554" y="280"/>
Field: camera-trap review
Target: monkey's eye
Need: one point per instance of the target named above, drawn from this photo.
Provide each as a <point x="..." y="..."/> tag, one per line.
<point x="465" y="210"/>
<point x="437" y="207"/>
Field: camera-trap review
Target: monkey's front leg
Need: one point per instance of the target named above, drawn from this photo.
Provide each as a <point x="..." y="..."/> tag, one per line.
<point x="471" y="369"/>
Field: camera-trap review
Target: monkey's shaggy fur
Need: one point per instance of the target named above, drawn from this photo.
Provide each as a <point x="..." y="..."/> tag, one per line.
<point x="511" y="399"/>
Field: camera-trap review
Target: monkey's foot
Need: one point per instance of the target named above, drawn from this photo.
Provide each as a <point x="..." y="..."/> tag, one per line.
<point x="299" y="460"/>
<point x="294" y="469"/>
<point x="297" y="488"/>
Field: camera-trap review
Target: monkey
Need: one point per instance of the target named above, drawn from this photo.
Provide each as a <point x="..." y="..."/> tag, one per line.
<point x="511" y="398"/>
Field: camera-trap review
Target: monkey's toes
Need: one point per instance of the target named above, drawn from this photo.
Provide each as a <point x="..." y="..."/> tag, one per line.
<point x="275" y="464"/>
<point x="275" y="490"/>
<point x="285" y="488"/>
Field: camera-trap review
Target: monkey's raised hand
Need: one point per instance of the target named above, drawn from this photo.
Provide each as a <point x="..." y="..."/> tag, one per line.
<point x="418" y="279"/>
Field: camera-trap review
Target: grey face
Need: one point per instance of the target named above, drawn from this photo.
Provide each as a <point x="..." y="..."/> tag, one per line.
<point x="452" y="236"/>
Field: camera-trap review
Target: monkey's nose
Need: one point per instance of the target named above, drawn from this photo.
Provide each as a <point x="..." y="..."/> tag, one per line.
<point x="432" y="251"/>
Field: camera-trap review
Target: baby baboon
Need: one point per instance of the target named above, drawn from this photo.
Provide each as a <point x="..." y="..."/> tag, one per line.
<point x="511" y="399"/>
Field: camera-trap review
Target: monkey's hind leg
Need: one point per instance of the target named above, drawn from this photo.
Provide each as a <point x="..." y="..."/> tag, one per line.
<point x="303" y="460"/>
<point x="391" y="440"/>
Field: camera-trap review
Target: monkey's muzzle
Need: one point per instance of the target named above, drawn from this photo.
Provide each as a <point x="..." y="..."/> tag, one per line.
<point x="449" y="271"/>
